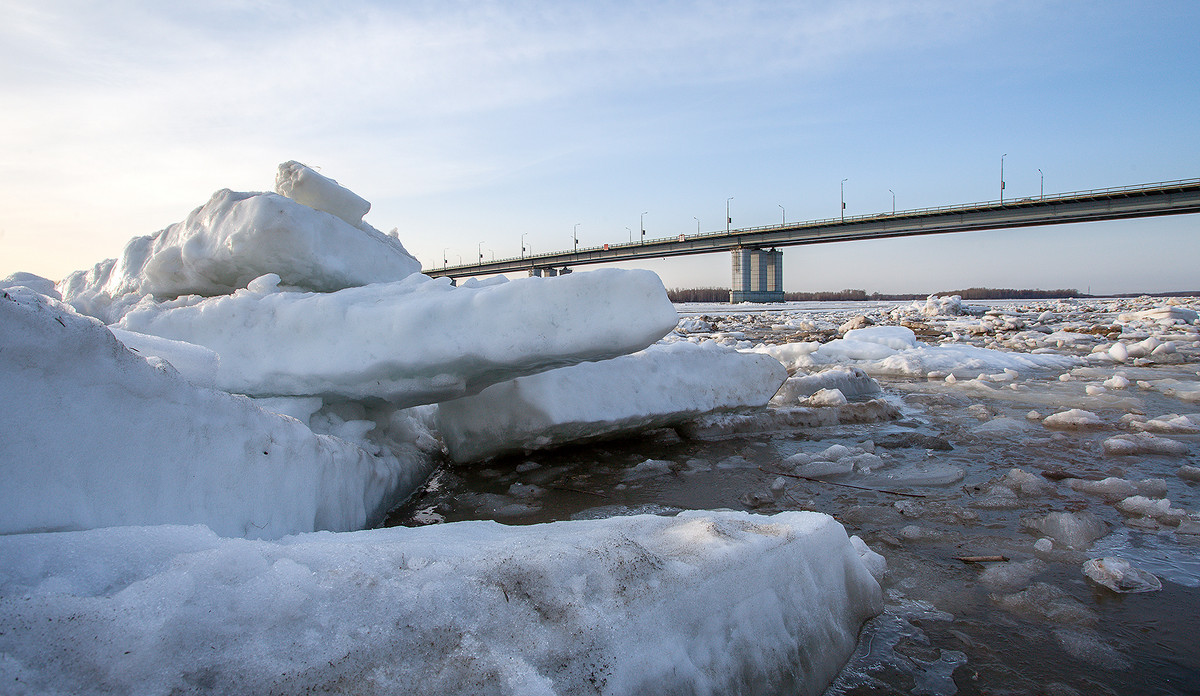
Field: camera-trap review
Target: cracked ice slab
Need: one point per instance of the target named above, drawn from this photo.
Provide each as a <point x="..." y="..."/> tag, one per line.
<point x="660" y="386"/>
<point x="415" y="341"/>
<point x="702" y="603"/>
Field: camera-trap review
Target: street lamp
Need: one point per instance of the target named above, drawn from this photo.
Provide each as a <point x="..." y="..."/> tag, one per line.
<point x="784" y="212"/>
<point x="1002" y="177"/>
<point x="630" y="234"/>
<point x="893" y="201"/>
<point x="697" y="224"/>
<point x="523" y="244"/>
<point x="844" y="199"/>
<point x="481" y="253"/>
<point x="642" y="222"/>
<point x="444" y="260"/>
<point x="727" y="218"/>
<point x="575" y="236"/>
<point x="1042" y="185"/>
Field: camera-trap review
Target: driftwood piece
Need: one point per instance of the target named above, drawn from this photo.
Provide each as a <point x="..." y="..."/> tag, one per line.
<point x="981" y="559"/>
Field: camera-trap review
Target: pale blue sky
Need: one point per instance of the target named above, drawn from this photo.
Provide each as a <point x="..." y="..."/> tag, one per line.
<point x="469" y="122"/>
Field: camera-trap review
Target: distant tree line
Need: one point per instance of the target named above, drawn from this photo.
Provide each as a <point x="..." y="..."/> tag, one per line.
<point x="1012" y="294"/>
<point x="710" y="294"/>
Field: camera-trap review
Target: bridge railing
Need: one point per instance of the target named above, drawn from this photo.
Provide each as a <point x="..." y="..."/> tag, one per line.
<point x="1112" y="191"/>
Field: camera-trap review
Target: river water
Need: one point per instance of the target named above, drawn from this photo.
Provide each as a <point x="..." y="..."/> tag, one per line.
<point x="935" y="482"/>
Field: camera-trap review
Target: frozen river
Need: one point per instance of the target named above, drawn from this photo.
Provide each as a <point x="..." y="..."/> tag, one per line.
<point x="203" y="443"/>
<point x="964" y="465"/>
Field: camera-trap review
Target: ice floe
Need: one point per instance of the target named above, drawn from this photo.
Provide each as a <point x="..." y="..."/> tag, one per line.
<point x="103" y="436"/>
<point x="663" y="385"/>
<point x="417" y="340"/>
<point x="699" y="603"/>
<point x="1119" y="575"/>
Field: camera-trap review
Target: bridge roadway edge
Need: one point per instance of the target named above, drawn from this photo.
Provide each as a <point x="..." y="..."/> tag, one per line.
<point x="1153" y="200"/>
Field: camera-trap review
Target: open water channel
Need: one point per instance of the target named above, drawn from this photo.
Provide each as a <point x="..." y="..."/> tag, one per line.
<point x="953" y="469"/>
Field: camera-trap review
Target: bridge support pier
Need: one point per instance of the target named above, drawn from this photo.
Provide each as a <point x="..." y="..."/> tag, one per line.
<point x="548" y="272"/>
<point x="757" y="276"/>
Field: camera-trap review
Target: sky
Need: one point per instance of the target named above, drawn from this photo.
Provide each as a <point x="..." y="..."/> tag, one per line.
<point x="476" y="126"/>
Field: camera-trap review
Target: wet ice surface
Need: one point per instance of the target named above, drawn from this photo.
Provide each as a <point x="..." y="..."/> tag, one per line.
<point x="969" y="468"/>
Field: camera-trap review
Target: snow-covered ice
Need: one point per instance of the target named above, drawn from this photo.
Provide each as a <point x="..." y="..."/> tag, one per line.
<point x="102" y="436"/>
<point x="660" y="386"/>
<point x="699" y="603"/>
<point x="36" y="283"/>
<point x="231" y="240"/>
<point x="415" y="341"/>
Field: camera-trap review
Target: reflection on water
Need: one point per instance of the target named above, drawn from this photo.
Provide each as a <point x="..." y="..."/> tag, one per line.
<point x="925" y="489"/>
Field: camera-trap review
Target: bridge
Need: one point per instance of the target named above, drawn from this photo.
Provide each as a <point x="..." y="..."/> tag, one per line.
<point x="758" y="265"/>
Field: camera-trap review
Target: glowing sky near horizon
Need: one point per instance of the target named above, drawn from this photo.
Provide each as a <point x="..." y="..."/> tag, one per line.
<point x="470" y="124"/>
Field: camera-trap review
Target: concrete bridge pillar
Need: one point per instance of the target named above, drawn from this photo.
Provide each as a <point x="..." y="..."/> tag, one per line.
<point x="757" y="276"/>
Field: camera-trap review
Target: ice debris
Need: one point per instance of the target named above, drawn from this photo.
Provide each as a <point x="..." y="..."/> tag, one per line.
<point x="663" y="385"/>
<point x="105" y="437"/>
<point x="414" y="341"/>
<point x="699" y="603"/>
<point x="1119" y="575"/>
<point x="233" y="239"/>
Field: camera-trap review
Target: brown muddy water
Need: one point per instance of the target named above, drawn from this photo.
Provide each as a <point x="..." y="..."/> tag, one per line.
<point x="930" y="487"/>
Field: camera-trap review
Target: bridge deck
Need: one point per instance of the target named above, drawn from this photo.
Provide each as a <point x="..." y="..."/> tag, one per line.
<point x="1146" y="200"/>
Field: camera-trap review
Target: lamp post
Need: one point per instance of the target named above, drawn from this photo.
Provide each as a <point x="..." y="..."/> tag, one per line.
<point x="445" y="262"/>
<point x="575" y="236"/>
<point x="481" y="253"/>
<point x="642" y="223"/>
<point x="728" y="219"/>
<point x="844" y="199"/>
<point x="893" y="201"/>
<point x="1002" y="177"/>
<point x="1041" y="185"/>
<point x="697" y="224"/>
<point x="630" y="231"/>
<point x="523" y="244"/>
<point x="784" y="212"/>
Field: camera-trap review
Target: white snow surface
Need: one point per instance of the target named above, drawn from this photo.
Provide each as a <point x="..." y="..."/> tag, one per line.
<point x="99" y="436"/>
<point x="196" y="363"/>
<point x="34" y="282"/>
<point x="415" y="341"/>
<point x="233" y="239"/>
<point x="702" y="603"/>
<point x="665" y="384"/>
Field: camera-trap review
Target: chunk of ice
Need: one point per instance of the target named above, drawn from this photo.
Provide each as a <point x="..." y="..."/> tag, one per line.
<point x="1143" y="443"/>
<point x="1075" y="530"/>
<point x="418" y="340"/>
<point x="1119" y="575"/>
<point x="700" y="602"/>
<point x="1072" y="419"/>
<point x="303" y="185"/>
<point x="104" y="437"/>
<point x="664" y="385"/>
